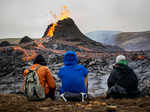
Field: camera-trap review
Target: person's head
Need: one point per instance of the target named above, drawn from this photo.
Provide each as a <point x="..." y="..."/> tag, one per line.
<point x="121" y="59"/>
<point x="70" y="58"/>
<point x="40" y="60"/>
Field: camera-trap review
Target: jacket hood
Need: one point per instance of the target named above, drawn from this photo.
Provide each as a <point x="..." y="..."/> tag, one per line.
<point x="70" y="58"/>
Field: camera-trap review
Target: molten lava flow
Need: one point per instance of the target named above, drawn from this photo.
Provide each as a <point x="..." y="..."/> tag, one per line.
<point x="51" y="30"/>
<point x="17" y="48"/>
<point x="86" y="49"/>
<point x="28" y="54"/>
<point x="140" y="57"/>
<point x="63" y="15"/>
<point x="40" y="44"/>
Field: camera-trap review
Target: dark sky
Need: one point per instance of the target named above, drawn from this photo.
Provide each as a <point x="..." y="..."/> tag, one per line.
<point x="31" y="17"/>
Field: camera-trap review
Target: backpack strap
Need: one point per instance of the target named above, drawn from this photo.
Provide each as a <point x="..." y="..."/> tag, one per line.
<point x="35" y="70"/>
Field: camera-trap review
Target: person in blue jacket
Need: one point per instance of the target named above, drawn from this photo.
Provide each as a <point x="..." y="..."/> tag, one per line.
<point x="73" y="76"/>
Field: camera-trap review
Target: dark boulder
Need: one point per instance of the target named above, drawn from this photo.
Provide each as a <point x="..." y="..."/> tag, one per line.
<point x="4" y="44"/>
<point x="25" y="39"/>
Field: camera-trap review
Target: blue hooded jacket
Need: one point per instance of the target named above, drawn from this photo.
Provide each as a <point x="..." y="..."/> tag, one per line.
<point x="72" y="75"/>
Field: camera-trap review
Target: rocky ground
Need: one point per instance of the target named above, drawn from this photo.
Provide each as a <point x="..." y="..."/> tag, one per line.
<point x="18" y="103"/>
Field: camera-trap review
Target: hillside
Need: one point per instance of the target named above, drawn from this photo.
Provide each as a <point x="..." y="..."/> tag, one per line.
<point x="134" y="40"/>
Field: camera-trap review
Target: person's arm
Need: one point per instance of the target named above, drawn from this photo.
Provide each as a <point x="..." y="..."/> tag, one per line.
<point x="135" y="79"/>
<point x="86" y="83"/>
<point x="112" y="80"/>
<point x="85" y="71"/>
<point x="50" y="79"/>
<point x="51" y="83"/>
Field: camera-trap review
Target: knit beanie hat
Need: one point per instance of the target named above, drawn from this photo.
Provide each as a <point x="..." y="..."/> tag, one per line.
<point x="121" y="59"/>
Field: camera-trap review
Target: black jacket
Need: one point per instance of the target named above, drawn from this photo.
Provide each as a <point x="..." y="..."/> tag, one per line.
<point x="123" y="76"/>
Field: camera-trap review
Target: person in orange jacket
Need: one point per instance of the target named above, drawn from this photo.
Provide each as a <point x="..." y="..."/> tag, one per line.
<point x="45" y="76"/>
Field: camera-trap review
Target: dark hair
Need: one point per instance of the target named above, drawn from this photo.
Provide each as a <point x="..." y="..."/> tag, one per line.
<point x="40" y="60"/>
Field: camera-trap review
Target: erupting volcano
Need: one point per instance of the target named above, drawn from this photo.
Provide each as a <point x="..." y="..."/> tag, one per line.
<point x="65" y="30"/>
<point x="63" y="15"/>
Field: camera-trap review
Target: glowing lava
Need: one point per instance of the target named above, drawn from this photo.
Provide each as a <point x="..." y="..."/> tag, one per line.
<point x="51" y="30"/>
<point x="28" y="54"/>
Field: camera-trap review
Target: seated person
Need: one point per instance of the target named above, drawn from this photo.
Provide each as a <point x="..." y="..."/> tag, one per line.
<point x="45" y="77"/>
<point x="122" y="81"/>
<point x="73" y="76"/>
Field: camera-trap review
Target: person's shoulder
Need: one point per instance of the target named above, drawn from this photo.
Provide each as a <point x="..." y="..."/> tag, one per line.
<point x="43" y="67"/>
<point x="127" y="68"/>
<point x="82" y="67"/>
<point x="130" y="69"/>
<point x="116" y="68"/>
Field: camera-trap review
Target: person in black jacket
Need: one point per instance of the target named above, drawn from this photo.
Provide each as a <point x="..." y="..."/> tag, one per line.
<point x="122" y="81"/>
